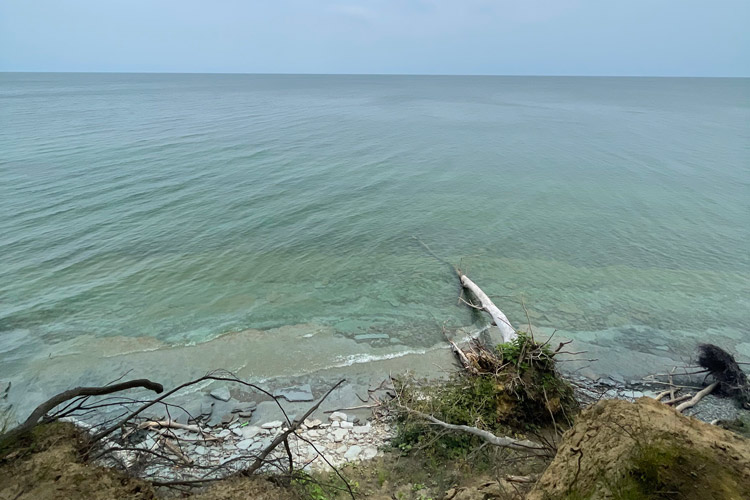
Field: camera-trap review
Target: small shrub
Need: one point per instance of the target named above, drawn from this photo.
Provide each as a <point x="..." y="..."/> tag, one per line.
<point x="516" y="388"/>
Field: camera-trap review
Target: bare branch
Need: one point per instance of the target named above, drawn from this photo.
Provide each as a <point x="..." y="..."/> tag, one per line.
<point x="503" y="442"/>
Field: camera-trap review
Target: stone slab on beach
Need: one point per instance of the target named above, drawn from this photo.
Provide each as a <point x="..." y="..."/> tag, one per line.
<point x="295" y="394"/>
<point x="221" y="393"/>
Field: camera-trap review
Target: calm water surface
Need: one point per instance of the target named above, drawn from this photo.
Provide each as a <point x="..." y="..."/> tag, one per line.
<point x="144" y="212"/>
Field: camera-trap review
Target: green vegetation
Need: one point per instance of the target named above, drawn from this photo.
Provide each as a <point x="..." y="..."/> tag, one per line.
<point x="515" y="389"/>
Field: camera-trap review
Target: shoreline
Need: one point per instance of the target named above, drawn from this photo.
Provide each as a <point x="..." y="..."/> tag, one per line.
<point x="345" y="429"/>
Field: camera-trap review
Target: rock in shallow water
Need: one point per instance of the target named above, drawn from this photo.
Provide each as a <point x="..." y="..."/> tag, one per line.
<point x="371" y="336"/>
<point x="221" y="393"/>
<point x="245" y="407"/>
<point x="295" y="394"/>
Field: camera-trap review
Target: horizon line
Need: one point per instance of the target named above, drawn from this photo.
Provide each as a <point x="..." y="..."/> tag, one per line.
<point x="365" y="74"/>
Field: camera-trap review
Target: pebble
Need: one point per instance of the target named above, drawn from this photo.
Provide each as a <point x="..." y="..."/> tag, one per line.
<point x="312" y="424"/>
<point x="341" y="441"/>
<point x="337" y="416"/>
<point x="244" y="444"/>
<point x="250" y="431"/>
<point x="353" y="452"/>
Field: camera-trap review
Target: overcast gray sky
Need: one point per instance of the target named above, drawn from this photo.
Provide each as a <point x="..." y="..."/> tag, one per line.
<point x="523" y="37"/>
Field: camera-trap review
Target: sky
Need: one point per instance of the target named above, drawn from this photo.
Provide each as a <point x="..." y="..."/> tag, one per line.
<point x="500" y="37"/>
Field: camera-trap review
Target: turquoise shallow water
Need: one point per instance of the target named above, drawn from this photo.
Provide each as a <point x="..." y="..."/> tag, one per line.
<point x="183" y="207"/>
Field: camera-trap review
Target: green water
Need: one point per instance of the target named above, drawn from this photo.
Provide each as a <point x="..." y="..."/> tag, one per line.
<point x="183" y="207"/>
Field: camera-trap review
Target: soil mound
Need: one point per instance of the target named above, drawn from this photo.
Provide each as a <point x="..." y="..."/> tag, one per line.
<point x="47" y="465"/>
<point x="646" y="450"/>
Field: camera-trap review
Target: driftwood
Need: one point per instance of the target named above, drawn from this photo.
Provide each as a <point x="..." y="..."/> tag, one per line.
<point x="466" y="364"/>
<point x="695" y="399"/>
<point x="57" y="400"/>
<point x="678" y="400"/>
<point x="498" y="318"/>
<point x="177" y="451"/>
<point x="170" y="424"/>
<point x="664" y="394"/>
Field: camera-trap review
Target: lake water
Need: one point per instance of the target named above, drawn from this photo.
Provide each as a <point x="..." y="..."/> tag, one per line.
<point x="152" y="212"/>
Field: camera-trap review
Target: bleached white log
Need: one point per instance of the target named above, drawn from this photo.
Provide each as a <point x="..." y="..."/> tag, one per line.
<point x="498" y="318"/>
<point x="694" y="400"/>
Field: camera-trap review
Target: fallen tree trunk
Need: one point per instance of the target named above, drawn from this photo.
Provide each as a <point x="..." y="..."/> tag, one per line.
<point x="695" y="399"/>
<point x="498" y="318"/>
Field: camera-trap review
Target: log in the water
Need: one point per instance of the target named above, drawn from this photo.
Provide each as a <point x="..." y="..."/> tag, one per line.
<point x="500" y="320"/>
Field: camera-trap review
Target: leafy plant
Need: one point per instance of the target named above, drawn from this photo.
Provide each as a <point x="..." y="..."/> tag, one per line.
<point x="514" y="388"/>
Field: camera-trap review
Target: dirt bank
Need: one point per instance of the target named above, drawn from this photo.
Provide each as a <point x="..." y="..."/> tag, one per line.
<point x="48" y="466"/>
<point x="646" y="450"/>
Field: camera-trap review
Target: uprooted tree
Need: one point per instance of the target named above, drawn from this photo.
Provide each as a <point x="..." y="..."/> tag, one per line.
<point x="498" y="391"/>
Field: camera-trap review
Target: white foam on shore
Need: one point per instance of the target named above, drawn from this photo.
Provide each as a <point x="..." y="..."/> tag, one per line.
<point x="354" y="359"/>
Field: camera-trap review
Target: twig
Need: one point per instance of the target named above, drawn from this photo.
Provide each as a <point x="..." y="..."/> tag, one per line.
<point x="174" y="449"/>
<point x="669" y="392"/>
<point x="292" y="427"/>
<point x="521" y="479"/>
<point x="678" y="400"/>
